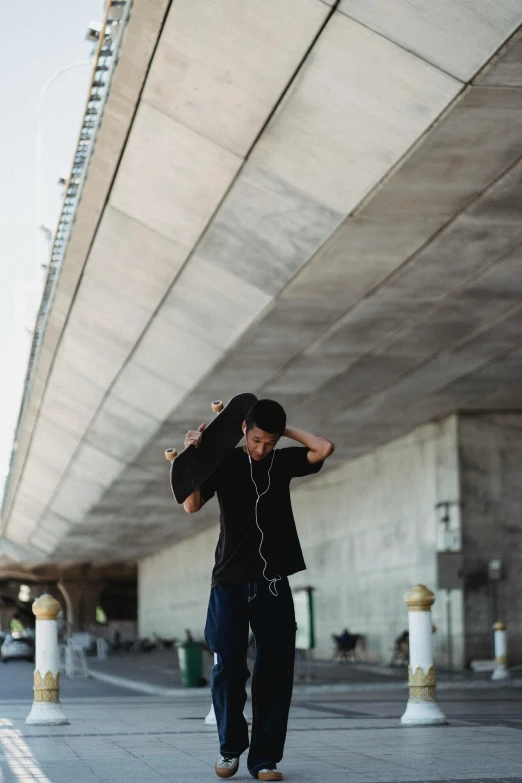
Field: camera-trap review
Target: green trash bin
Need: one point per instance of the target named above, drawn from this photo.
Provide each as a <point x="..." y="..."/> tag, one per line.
<point x="190" y="663"/>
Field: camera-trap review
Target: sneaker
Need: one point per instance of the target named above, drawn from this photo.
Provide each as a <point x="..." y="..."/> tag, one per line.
<point x="226" y="766"/>
<point x="270" y="772"/>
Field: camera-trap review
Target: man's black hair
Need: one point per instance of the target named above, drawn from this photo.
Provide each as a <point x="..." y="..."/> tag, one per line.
<point x="268" y="415"/>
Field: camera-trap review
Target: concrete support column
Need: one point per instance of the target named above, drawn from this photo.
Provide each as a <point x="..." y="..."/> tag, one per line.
<point x="500" y="672"/>
<point x="46" y="709"/>
<point x="422" y="708"/>
<point x="81" y="599"/>
<point x="6" y="615"/>
<point x="69" y="608"/>
<point x="90" y="597"/>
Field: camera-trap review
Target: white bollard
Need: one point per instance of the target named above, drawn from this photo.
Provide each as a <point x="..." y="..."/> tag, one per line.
<point x="500" y="671"/>
<point x="434" y="630"/>
<point x="46" y="709"/>
<point x="102" y="648"/>
<point x="422" y="708"/>
<point x="210" y="719"/>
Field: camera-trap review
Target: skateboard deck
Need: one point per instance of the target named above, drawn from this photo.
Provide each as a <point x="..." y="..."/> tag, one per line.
<point x="192" y="466"/>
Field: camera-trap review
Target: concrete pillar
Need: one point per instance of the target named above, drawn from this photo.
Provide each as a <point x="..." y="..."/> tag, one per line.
<point x="46" y="709"/>
<point x="81" y="599"/>
<point x="69" y="608"/>
<point x="6" y="615"/>
<point x="500" y="672"/>
<point x="91" y="596"/>
<point x="422" y="707"/>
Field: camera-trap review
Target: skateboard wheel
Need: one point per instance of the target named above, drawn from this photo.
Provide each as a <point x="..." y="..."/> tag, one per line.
<point x="217" y="406"/>
<point x="170" y="454"/>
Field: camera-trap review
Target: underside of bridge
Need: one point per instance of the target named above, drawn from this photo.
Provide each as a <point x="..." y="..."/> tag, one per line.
<point x="317" y="202"/>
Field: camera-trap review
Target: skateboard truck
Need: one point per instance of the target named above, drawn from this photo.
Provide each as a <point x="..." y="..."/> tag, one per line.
<point x="217" y="407"/>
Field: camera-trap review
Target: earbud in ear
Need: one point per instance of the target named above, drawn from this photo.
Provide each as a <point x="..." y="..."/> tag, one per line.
<point x="244" y="430"/>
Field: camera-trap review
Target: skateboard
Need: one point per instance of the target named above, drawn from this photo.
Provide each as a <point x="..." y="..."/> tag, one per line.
<point x="192" y="466"/>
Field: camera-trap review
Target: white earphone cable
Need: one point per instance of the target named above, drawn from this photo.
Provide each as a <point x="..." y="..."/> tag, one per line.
<point x="271" y="582"/>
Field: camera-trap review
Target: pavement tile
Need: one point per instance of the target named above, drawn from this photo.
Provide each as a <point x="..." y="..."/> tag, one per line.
<point x="348" y="737"/>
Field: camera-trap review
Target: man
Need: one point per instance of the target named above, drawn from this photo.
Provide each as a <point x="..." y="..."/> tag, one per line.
<point x="258" y="548"/>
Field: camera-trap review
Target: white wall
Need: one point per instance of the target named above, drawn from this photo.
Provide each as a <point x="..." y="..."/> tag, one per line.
<point x="369" y="532"/>
<point x="174" y="586"/>
<point x="491" y="460"/>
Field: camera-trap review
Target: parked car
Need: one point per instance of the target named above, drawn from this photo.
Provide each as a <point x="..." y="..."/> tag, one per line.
<point x="16" y="648"/>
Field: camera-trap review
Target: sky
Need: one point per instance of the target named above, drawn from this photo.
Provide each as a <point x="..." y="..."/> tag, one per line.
<point x="40" y="38"/>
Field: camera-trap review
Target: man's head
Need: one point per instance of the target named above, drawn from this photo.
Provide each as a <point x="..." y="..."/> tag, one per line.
<point x="265" y="422"/>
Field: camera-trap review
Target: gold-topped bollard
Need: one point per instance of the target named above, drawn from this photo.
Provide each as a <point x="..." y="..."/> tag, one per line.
<point x="422" y="708"/>
<point x="210" y="718"/>
<point x="46" y="709"/>
<point x="500" y="672"/>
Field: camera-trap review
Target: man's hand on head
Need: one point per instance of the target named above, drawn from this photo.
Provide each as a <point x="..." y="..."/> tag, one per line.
<point x="193" y="437"/>
<point x="319" y="448"/>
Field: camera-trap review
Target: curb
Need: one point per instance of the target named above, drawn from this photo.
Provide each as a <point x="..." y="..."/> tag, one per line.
<point x="145" y="687"/>
<point x="446" y="685"/>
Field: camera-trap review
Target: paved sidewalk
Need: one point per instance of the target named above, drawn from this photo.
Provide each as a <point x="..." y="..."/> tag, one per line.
<point x="338" y="737"/>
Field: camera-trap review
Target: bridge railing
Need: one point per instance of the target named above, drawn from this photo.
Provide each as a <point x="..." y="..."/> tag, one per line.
<point x="104" y="63"/>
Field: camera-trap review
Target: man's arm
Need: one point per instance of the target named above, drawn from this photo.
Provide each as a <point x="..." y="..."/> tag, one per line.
<point x="318" y="448"/>
<point x="194" y="502"/>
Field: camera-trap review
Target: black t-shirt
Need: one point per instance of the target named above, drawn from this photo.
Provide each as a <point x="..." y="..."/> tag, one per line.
<point x="237" y="551"/>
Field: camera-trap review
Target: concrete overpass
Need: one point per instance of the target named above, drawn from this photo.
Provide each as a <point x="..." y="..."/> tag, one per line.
<point x="315" y="201"/>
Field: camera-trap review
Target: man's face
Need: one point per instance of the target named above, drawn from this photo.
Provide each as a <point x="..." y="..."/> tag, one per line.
<point x="260" y="443"/>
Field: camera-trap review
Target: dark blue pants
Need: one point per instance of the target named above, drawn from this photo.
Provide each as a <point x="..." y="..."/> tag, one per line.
<point x="230" y="611"/>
